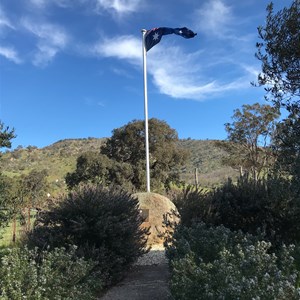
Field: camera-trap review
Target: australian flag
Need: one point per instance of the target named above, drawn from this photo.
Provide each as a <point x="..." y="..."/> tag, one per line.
<point x="153" y="36"/>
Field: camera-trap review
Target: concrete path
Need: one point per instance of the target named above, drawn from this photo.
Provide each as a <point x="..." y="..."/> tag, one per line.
<point x="143" y="282"/>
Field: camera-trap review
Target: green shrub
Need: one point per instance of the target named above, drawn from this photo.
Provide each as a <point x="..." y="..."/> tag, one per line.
<point x="216" y="263"/>
<point x="103" y="223"/>
<point x="206" y="240"/>
<point x="271" y="206"/>
<point x="59" y="274"/>
<point x="193" y="204"/>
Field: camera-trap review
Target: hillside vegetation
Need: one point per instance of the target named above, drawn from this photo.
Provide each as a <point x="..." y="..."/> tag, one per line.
<point x="60" y="158"/>
<point x="207" y="157"/>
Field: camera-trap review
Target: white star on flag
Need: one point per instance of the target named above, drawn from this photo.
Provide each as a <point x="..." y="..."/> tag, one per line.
<point x="155" y="36"/>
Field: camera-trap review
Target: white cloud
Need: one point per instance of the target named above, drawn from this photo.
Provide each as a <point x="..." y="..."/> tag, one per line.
<point x="213" y="18"/>
<point x="93" y="102"/>
<point x="51" y="39"/>
<point x="42" y="4"/>
<point x="122" y="47"/>
<point x="38" y="3"/>
<point x="116" y="7"/>
<point x="44" y="55"/>
<point x="10" y="54"/>
<point x="53" y="34"/>
<point x="254" y="71"/>
<point x="178" y="78"/>
<point x="119" y="6"/>
<point x="4" y="20"/>
<point x="182" y="78"/>
<point x="121" y="72"/>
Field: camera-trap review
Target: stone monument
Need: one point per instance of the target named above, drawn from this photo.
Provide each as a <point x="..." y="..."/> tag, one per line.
<point x="153" y="207"/>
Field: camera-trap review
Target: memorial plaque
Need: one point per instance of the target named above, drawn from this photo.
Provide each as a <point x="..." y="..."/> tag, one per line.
<point x="145" y="214"/>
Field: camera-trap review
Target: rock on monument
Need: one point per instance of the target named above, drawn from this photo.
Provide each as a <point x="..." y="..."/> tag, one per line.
<point x="153" y="207"/>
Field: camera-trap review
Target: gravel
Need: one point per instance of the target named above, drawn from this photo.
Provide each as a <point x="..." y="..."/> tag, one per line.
<point x="156" y="256"/>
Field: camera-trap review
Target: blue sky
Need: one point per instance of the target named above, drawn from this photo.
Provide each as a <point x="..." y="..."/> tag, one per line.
<point x="73" y="68"/>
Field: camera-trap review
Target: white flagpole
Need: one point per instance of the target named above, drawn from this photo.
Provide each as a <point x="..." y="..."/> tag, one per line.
<point x="146" y="111"/>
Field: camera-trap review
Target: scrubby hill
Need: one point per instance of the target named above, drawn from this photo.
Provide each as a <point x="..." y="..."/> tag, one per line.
<point x="60" y="158"/>
<point x="207" y="157"/>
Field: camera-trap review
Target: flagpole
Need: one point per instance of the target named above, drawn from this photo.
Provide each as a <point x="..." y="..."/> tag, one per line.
<point x="146" y="111"/>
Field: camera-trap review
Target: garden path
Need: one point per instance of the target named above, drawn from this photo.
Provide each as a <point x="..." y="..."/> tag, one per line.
<point x="147" y="280"/>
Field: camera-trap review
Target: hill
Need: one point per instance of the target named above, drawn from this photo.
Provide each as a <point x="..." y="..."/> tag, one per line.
<point x="207" y="157"/>
<point x="60" y="158"/>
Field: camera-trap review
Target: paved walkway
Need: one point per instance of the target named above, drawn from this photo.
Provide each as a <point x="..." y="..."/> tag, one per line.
<point x="143" y="282"/>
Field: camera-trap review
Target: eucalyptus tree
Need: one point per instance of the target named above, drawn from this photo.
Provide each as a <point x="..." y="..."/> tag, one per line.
<point x="121" y="161"/>
<point x="6" y="135"/>
<point x="127" y="145"/>
<point x="249" y="137"/>
<point x="279" y="53"/>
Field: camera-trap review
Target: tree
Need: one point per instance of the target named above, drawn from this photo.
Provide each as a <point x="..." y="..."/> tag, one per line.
<point x="249" y="136"/>
<point x="20" y="194"/>
<point x="279" y="53"/>
<point x="7" y="198"/>
<point x="35" y="187"/>
<point x="5" y="183"/>
<point x="122" y="159"/>
<point x="91" y="167"/>
<point x="6" y="135"/>
<point x="127" y="145"/>
<point x="287" y="143"/>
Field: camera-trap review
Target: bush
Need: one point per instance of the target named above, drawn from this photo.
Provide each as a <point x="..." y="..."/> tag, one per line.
<point x="216" y="263"/>
<point x="270" y="205"/>
<point x="207" y="240"/>
<point x="59" y="274"/>
<point x="193" y="205"/>
<point x="103" y="223"/>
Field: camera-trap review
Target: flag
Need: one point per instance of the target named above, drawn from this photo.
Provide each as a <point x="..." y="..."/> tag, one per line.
<point x="153" y="36"/>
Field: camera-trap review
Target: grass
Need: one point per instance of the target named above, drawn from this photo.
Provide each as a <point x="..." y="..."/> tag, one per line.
<point x="6" y="233"/>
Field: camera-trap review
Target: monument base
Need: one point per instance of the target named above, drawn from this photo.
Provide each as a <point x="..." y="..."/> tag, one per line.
<point x="153" y="207"/>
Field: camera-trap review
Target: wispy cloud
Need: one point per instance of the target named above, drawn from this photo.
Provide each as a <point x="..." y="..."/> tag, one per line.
<point x="50" y="40"/>
<point x="42" y="4"/>
<point x="119" y="7"/>
<point x="92" y="102"/>
<point x="38" y="3"/>
<point x="11" y="54"/>
<point x="4" y="21"/>
<point x="121" y="72"/>
<point x="214" y="18"/>
<point x="184" y="78"/>
<point x="125" y="47"/>
<point x="178" y="78"/>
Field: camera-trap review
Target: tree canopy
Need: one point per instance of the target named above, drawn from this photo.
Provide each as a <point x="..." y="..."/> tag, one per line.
<point x="127" y="145"/>
<point x="122" y="161"/>
<point x="249" y="136"/>
<point x="6" y="135"/>
<point x="279" y="53"/>
<point x="287" y="143"/>
<point x="90" y="167"/>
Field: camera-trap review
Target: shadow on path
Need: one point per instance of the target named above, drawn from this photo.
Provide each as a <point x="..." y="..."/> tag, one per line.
<point x="146" y="282"/>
